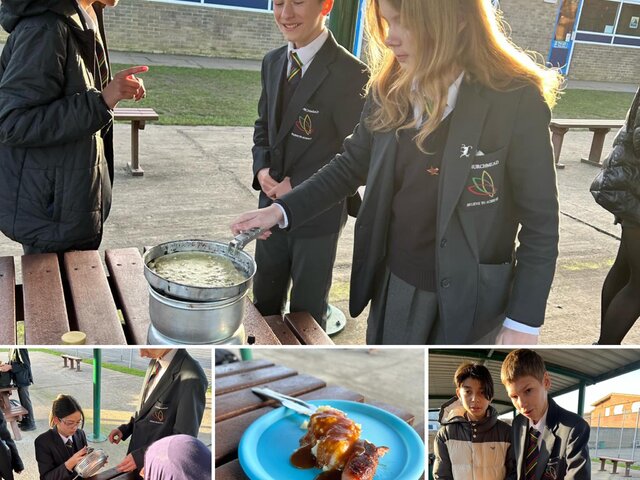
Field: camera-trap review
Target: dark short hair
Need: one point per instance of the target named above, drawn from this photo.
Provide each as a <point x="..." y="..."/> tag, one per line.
<point x="522" y="363"/>
<point x="63" y="406"/>
<point x="477" y="372"/>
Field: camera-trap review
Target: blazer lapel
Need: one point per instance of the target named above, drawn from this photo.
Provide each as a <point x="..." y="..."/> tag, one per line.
<point x="163" y="383"/>
<point x="275" y="77"/>
<point x="464" y="134"/>
<point x="524" y="438"/>
<point x="310" y="82"/>
<point x="546" y="446"/>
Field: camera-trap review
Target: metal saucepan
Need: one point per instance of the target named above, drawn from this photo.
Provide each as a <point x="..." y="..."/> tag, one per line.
<point x="91" y="463"/>
<point x="233" y="251"/>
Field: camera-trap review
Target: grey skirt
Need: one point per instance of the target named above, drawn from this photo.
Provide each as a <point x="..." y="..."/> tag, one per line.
<point x="401" y="314"/>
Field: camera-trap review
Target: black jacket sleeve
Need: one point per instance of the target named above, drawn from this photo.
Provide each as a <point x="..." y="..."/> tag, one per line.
<point x="16" y="462"/>
<point x="48" y="467"/>
<point x="34" y="110"/>
<point x="261" y="150"/>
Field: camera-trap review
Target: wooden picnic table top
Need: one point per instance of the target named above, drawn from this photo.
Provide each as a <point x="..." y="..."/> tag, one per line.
<point x="113" y="474"/>
<point x="586" y="123"/>
<point x="5" y="393"/>
<point x="110" y="304"/>
<point x="237" y="407"/>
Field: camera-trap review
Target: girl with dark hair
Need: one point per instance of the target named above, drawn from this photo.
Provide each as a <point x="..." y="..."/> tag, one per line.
<point x="472" y="442"/>
<point x="453" y="146"/>
<point x="59" y="449"/>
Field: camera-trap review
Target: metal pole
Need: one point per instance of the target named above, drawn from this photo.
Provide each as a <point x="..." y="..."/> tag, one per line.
<point x="635" y="437"/>
<point x="597" y="433"/>
<point x="581" y="395"/>
<point x="130" y="357"/>
<point x="246" y="354"/>
<point x="342" y="22"/>
<point x="621" y="432"/>
<point x="97" y="392"/>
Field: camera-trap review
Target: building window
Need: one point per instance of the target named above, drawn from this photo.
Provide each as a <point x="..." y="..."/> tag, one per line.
<point x="612" y="22"/>
<point x="263" y="5"/>
<point x="618" y="409"/>
<point x="607" y="411"/>
<point x="635" y="406"/>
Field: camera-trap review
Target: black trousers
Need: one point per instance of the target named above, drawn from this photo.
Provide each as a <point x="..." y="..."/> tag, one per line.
<point x="306" y="263"/>
<point x="25" y="401"/>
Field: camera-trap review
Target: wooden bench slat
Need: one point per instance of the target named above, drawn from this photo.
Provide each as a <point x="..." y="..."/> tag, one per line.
<point x="93" y="303"/>
<point x="236" y="403"/>
<point x="45" y="312"/>
<point x="397" y="411"/>
<point x="228" y="432"/>
<point x="230" y="471"/>
<point x="131" y="290"/>
<point x="240" y="367"/>
<point x="251" y="379"/>
<point x="585" y="123"/>
<point x="306" y="329"/>
<point x="282" y="330"/>
<point x="7" y="301"/>
<point x="257" y="329"/>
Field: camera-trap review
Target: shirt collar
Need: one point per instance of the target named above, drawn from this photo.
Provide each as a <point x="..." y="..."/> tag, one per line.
<point x="307" y="53"/>
<point x="166" y="359"/>
<point x="541" y="423"/>
<point x="64" y="439"/>
<point x="91" y="25"/>
<point x="452" y="98"/>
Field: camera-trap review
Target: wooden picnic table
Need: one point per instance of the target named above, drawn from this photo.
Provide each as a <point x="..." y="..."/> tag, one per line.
<point x="13" y="414"/>
<point x="237" y="407"/>
<point x="109" y="302"/>
<point x="112" y="474"/>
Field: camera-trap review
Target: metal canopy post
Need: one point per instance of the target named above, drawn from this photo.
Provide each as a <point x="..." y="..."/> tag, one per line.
<point x="342" y="22"/>
<point x="96" y="436"/>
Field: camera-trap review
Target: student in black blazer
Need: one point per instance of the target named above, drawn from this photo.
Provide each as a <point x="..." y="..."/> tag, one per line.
<point x="59" y="449"/>
<point x="10" y="460"/>
<point x="561" y="437"/>
<point x="453" y="146"/>
<point x="312" y="97"/>
<point x="173" y="399"/>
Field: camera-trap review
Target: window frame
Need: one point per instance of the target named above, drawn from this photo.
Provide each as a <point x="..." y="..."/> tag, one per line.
<point x="610" y="39"/>
<point x="200" y="3"/>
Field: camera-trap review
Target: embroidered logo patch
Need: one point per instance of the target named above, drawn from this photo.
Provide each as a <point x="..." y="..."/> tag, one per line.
<point x="465" y="150"/>
<point x="483" y="186"/>
<point x="304" y="125"/>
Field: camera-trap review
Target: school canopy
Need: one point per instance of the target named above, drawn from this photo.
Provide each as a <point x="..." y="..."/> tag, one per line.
<point x="570" y="369"/>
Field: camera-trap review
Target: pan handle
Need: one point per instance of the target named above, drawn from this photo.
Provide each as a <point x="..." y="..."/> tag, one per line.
<point x="242" y="239"/>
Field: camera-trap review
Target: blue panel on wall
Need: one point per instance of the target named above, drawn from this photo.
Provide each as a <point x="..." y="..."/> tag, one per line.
<point x="627" y="41"/>
<point x="593" y="37"/>
<point x="257" y="4"/>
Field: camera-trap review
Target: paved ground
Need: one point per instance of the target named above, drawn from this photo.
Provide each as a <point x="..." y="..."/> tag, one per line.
<point x="391" y="375"/>
<point x="120" y="393"/>
<point x="198" y="179"/>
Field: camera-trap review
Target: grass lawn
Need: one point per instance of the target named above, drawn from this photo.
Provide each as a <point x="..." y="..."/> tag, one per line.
<point x="192" y="96"/>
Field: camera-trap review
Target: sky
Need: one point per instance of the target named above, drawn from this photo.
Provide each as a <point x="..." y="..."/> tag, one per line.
<point x="628" y="383"/>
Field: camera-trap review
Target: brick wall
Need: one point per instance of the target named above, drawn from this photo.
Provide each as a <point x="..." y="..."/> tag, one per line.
<point x="604" y="63"/>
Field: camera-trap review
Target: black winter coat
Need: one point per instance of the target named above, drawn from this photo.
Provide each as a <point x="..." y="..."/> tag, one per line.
<point x="617" y="186"/>
<point x="55" y="139"/>
<point x="10" y="460"/>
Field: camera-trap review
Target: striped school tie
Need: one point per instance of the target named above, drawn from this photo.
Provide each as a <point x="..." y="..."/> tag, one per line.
<point x="154" y="368"/>
<point x="531" y="457"/>
<point x="103" y="68"/>
<point x="295" y="74"/>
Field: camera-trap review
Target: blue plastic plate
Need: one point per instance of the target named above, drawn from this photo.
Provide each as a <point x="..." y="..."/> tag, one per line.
<point x="268" y="443"/>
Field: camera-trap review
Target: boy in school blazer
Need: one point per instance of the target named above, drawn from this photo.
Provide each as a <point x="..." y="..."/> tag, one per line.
<point x="562" y="441"/>
<point x="301" y="126"/>
<point x="174" y="405"/>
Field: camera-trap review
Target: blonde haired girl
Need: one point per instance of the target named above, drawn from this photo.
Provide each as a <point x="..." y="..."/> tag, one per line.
<point x="453" y="146"/>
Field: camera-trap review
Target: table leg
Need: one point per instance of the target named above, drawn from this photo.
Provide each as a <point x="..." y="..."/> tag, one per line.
<point x="615" y="467"/>
<point x="599" y="135"/>
<point x="134" y="166"/>
<point x="556" y="139"/>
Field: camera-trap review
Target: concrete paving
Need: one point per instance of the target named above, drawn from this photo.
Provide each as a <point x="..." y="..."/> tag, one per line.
<point x="391" y="375"/>
<point x="198" y="179"/>
<point x="119" y="400"/>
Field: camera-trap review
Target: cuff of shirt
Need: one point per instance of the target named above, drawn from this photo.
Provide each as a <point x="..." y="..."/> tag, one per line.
<point x="520" y="327"/>
<point x="285" y="219"/>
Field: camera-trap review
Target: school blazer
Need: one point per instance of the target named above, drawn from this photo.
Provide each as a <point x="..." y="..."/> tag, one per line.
<point x="564" y="451"/>
<point x="323" y="111"/>
<point x="51" y="453"/>
<point x="176" y="405"/>
<point x="497" y="174"/>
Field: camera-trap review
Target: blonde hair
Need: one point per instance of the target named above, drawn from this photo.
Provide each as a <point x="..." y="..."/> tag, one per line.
<point x="452" y="35"/>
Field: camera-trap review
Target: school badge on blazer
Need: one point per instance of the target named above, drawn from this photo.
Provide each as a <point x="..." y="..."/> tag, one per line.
<point x="484" y="181"/>
<point x="303" y="128"/>
<point x="554" y="468"/>
<point x="158" y="414"/>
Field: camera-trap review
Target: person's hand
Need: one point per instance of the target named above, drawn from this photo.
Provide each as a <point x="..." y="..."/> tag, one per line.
<point x="124" y="86"/>
<point x="280" y="189"/>
<point x="127" y="465"/>
<point x="264" y="218"/>
<point x="115" y="436"/>
<point x="507" y="336"/>
<point x="142" y="92"/>
<point x="5" y="367"/>
<point x="267" y="183"/>
<point x="75" y="458"/>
